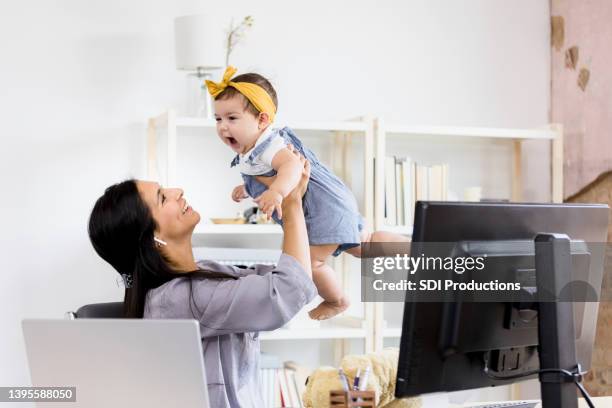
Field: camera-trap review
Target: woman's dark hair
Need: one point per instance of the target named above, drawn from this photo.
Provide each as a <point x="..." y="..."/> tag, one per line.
<point x="251" y="78"/>
<point x="121" y="230"/>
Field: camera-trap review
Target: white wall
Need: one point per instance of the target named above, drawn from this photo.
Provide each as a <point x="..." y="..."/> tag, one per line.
<point x="79" y="79"/>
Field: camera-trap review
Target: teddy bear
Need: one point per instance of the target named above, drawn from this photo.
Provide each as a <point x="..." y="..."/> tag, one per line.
<point x="382" y="377"/>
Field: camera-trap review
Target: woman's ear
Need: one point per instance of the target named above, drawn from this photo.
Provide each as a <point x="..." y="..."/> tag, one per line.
<point x="159" y="242"/>
<point x="264" y="120"/>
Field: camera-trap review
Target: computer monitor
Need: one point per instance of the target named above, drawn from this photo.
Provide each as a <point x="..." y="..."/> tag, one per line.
<point x="446" y="346"/>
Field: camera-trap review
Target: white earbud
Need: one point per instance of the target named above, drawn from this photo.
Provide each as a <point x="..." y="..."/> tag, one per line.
<point x="159" y="241"/>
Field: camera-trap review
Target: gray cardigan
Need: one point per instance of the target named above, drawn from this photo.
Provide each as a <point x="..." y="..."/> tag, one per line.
<point x="231" y="312"/>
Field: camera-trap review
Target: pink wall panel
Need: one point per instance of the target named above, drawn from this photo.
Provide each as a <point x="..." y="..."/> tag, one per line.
<point x="585" y="114"/>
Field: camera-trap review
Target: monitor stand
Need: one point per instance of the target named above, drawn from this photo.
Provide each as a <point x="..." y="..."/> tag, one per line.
<point x="557" y="348"/>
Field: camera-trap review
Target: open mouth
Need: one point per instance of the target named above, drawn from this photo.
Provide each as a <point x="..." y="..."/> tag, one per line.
<point x="232" y="142"/>
<point x="186" y="208"/>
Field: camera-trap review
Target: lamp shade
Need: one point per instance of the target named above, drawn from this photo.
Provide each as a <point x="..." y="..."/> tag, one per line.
<point x="199" y="43"/>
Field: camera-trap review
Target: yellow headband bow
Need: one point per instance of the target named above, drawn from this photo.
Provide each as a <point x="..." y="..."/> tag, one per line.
<point x="254" y="93"/>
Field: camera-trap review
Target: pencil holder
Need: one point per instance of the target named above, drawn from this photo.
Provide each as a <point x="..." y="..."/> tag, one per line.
<point x="346" y="399"/>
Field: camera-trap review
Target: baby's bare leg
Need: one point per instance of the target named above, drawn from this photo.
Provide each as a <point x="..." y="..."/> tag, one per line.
<point x="324" y="278"/>
<point x="378" y="236"/>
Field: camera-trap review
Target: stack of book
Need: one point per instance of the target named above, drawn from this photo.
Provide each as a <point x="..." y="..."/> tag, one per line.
<point x="407" y="182"/>
<point x="282" y="384"/>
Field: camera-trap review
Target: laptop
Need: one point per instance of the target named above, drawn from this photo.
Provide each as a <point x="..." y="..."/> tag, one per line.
<point x="118" y="362"/>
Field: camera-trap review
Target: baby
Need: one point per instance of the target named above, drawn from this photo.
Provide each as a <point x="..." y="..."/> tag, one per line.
<point x="245" y="107"/>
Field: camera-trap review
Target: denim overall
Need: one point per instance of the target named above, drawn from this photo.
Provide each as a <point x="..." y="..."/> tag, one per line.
<point x="330" y="209"/>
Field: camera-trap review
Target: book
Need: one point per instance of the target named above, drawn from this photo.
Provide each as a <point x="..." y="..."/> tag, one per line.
<point x="298" y="389"/>
<point x="292" y="388"/>
<point x="435" y="181"/>
<point x="278" y="392"/>
<point x="390" y="202"/>
<point x="407" y="182"/>
<point x="286" y="397"/>
<point x="269" y="364"/>
<point x="408" y="190"/>
<point x="399" y="192"/>
<point x="422" y="182"/>
<point x="438" y="185"/>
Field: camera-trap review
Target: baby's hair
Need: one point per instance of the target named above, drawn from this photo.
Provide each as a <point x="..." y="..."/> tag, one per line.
<point x="251" y="78"/>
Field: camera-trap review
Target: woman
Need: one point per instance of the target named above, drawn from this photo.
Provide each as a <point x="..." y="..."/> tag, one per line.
<point x="144" y="231"/>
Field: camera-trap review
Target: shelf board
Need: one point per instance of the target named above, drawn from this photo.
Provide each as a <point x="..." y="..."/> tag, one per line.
<point x="239" y="229"/>
<point x="392" y="332"/>
<point x="255" y="235"/>
<point x="390" y="129"/>
<point x="338" y="126"/>
<point x="195" y="122"/>
<point x="238" y="235"/>
<point x="319" y="333"/>
<point x="398" y="229"/>
<point x="477" y="132"/>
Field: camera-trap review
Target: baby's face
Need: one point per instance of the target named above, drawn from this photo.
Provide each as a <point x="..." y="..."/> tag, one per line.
<point x="236" y="127"/>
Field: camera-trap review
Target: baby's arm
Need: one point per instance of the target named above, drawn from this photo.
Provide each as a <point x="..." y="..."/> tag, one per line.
<point x="288" y="174"/>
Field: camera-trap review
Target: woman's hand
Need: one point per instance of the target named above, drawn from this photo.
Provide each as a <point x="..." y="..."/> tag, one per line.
<point x="270" y="201"/>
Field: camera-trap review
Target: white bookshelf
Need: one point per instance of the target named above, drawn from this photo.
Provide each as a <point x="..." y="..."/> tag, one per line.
<point x="239" y="229"/>
<point x="238" y="235"/>
<point x="438" y="136"/>
<point x="405" y="230"/>
<point x="331" y="126"/>
<point x="329" y="333"/>
<point x="471" y="132"/>
<point x="392" y="332"/>
<point x="375" y="135"/>
<point x="268" y="236"/>
<point x="244" y="236"/>
<point x="552" y="133"/>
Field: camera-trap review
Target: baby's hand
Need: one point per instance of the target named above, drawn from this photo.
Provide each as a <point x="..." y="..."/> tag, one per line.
<point x="269" y="201"/>
<point x="239" y="193"/>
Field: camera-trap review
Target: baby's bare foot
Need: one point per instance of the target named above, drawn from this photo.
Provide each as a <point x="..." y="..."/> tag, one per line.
<point x="327" y="310"/>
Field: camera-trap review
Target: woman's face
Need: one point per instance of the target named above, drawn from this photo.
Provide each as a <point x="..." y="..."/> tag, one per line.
<point x="174" y="217"/>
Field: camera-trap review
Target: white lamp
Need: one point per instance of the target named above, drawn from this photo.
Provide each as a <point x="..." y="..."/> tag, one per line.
<point x="199" y="49"/>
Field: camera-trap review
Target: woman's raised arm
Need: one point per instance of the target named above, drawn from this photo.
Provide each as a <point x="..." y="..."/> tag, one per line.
<point x="295" y="239"/>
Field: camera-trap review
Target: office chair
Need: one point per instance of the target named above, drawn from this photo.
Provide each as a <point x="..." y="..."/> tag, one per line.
<point x="109" y="310"/>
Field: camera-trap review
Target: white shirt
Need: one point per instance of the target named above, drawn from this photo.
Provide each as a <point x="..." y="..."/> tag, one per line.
<point x="262" y="163"/>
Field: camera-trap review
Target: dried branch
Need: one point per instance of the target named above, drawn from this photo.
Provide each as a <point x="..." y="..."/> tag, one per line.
<point x="235" y="34"/>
